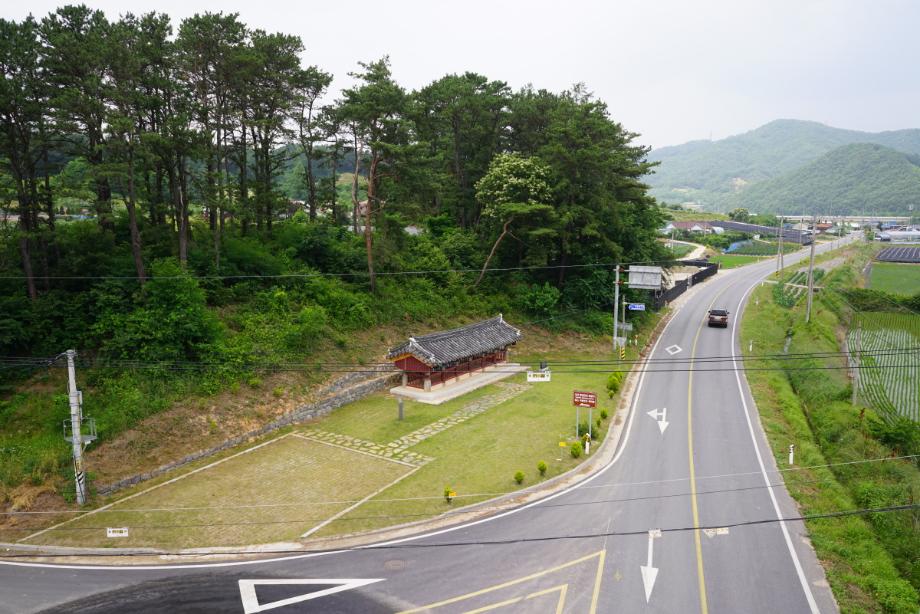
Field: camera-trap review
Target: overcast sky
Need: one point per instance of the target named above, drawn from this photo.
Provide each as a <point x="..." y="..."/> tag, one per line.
<point x="672" y="70"/>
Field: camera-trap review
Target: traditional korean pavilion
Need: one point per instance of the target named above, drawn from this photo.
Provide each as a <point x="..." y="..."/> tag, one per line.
<point x="434" y="359"/>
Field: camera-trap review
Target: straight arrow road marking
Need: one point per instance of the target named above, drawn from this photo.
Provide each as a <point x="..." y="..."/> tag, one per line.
<point x="649" y="573"/>
<point x="251" y="603"/>
<point x="661" y="417"/>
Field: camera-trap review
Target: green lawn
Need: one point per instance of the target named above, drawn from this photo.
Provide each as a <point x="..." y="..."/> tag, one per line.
<point x="478" y="457"/>
<point x="272" y="493"/>
<point x="895" y="277"/>
<point x="731" y="261"/>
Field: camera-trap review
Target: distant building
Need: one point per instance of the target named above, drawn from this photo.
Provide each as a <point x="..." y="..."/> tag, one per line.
<point x="694" y="227"/>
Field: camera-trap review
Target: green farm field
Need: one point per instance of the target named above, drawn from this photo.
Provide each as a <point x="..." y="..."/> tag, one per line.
<point x="895" y="277"/>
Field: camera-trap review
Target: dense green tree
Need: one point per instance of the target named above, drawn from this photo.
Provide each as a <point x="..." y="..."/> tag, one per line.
<point x="461" y="119"/>
<point x="75" y="48"/>
<point x="739" y="214"/>
<point x="312" y="127"/>
<point x="374" y="112"/>
<point x="22" y="98"/>
<point x="514" y="193"/>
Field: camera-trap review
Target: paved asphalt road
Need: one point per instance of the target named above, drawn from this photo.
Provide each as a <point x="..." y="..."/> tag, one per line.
<point x="581" y="551"/>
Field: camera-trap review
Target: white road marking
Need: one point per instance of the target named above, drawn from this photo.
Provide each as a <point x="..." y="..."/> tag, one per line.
<point x="649" y="573"/>
<point x="673" y="349"/>
<point x="251" y="603"/>
<point x="713" y="532"/>
<point x="661" y="417"/>
<point x="812" y="604"/>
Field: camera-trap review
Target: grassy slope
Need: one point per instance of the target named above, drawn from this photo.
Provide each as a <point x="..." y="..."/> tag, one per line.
<point x="866" y="558"/>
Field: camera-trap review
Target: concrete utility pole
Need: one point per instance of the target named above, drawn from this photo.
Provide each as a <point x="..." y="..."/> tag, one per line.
<point x="76" y="417"/>
<point x="616" y="304"/>
<point x="855" y="353"/>
<point x="811" y="269"/>
<point x="779" y="249"/>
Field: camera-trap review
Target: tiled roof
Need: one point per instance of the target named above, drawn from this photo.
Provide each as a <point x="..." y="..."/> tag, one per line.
<point x="450" y="346"/>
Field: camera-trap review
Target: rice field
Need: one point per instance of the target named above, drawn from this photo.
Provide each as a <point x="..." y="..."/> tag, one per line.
<point x="894" y="387"/>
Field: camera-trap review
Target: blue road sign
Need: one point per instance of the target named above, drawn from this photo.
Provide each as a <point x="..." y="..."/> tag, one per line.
<point x="636" y="306"/>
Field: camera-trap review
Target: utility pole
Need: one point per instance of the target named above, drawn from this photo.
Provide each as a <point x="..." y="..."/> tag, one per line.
<point x="616" y="305"/>
<point x="779" y="248"/>
<point x="811" y="269"/>
<point x="76" y="417"/>
<point x="855" y="353"/>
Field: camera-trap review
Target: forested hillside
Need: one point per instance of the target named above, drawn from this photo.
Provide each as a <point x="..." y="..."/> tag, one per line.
<point x="713" y="171"/>
<point x="146" y="221"/>
<point x="853" y="179"/>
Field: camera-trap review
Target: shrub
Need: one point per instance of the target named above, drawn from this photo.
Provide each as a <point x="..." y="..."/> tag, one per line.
<point x="519" y="477"/>
<point x="604" y="414"/>
<point x="254" y="382"/>
<point x="614" y="381"/>
<point x="576" y="449"/>
<point x="278" y="392"/>
<point x="541" y="467"/>
<point x="448" y="494"/>
<point x="540" y="300"/>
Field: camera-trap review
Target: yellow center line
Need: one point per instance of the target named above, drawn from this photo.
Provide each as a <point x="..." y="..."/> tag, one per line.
<point x="704" y="606"/>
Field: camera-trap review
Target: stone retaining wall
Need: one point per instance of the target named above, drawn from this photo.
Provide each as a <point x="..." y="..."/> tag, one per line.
<point x="340" y="395"/>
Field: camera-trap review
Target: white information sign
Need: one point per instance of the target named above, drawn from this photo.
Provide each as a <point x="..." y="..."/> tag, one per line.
<point x="539" y="376"/>
<point x="645" y="277"/>
<point x="116" y="532"/>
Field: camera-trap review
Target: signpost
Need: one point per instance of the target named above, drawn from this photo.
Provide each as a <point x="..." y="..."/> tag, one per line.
<point x="580" y="399"/>
<point x="636" y="306"/>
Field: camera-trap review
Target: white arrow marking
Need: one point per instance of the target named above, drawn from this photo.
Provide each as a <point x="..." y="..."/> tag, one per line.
<point x="649" y="573"/>
<point x="251" y="601"/>
<point x="661" y="417"/>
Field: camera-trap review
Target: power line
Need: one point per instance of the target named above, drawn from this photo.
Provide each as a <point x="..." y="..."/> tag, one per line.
<point x="500" y="542"/>
<point x="259" y="506"/>
<point x="352" y="273"/>
<point x="383" y="367"/>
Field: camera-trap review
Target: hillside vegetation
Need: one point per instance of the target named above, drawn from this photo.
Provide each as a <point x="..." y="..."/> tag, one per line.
<point x="711" y="172"/>
<point x="857" y="178"/>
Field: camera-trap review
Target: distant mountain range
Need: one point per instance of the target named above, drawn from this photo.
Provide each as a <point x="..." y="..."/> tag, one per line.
<point x="794" y="166"/>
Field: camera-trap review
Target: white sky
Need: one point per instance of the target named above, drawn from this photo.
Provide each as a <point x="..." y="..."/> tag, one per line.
<point x="672" y="70"/>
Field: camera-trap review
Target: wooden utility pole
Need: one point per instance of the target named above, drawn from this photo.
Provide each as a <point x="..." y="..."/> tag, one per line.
<point x="811" y="272"/>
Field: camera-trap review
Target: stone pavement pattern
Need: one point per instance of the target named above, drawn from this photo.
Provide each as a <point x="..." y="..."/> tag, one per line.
<point x="399" y="450"/>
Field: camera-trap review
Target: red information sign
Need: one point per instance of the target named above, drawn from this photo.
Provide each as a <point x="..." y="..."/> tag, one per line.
<point x="584" y="399"/>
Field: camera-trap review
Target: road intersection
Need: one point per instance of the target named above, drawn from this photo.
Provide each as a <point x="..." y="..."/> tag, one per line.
<point x="661" y="528"/>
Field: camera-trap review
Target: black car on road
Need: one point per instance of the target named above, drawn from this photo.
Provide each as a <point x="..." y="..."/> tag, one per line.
<point x="718" y="317"/>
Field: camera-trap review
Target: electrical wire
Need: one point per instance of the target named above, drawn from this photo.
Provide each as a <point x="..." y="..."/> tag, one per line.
<point x="346" y="502"/>
<point x="498" y="542"/>
<point x="356" y="273"/>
